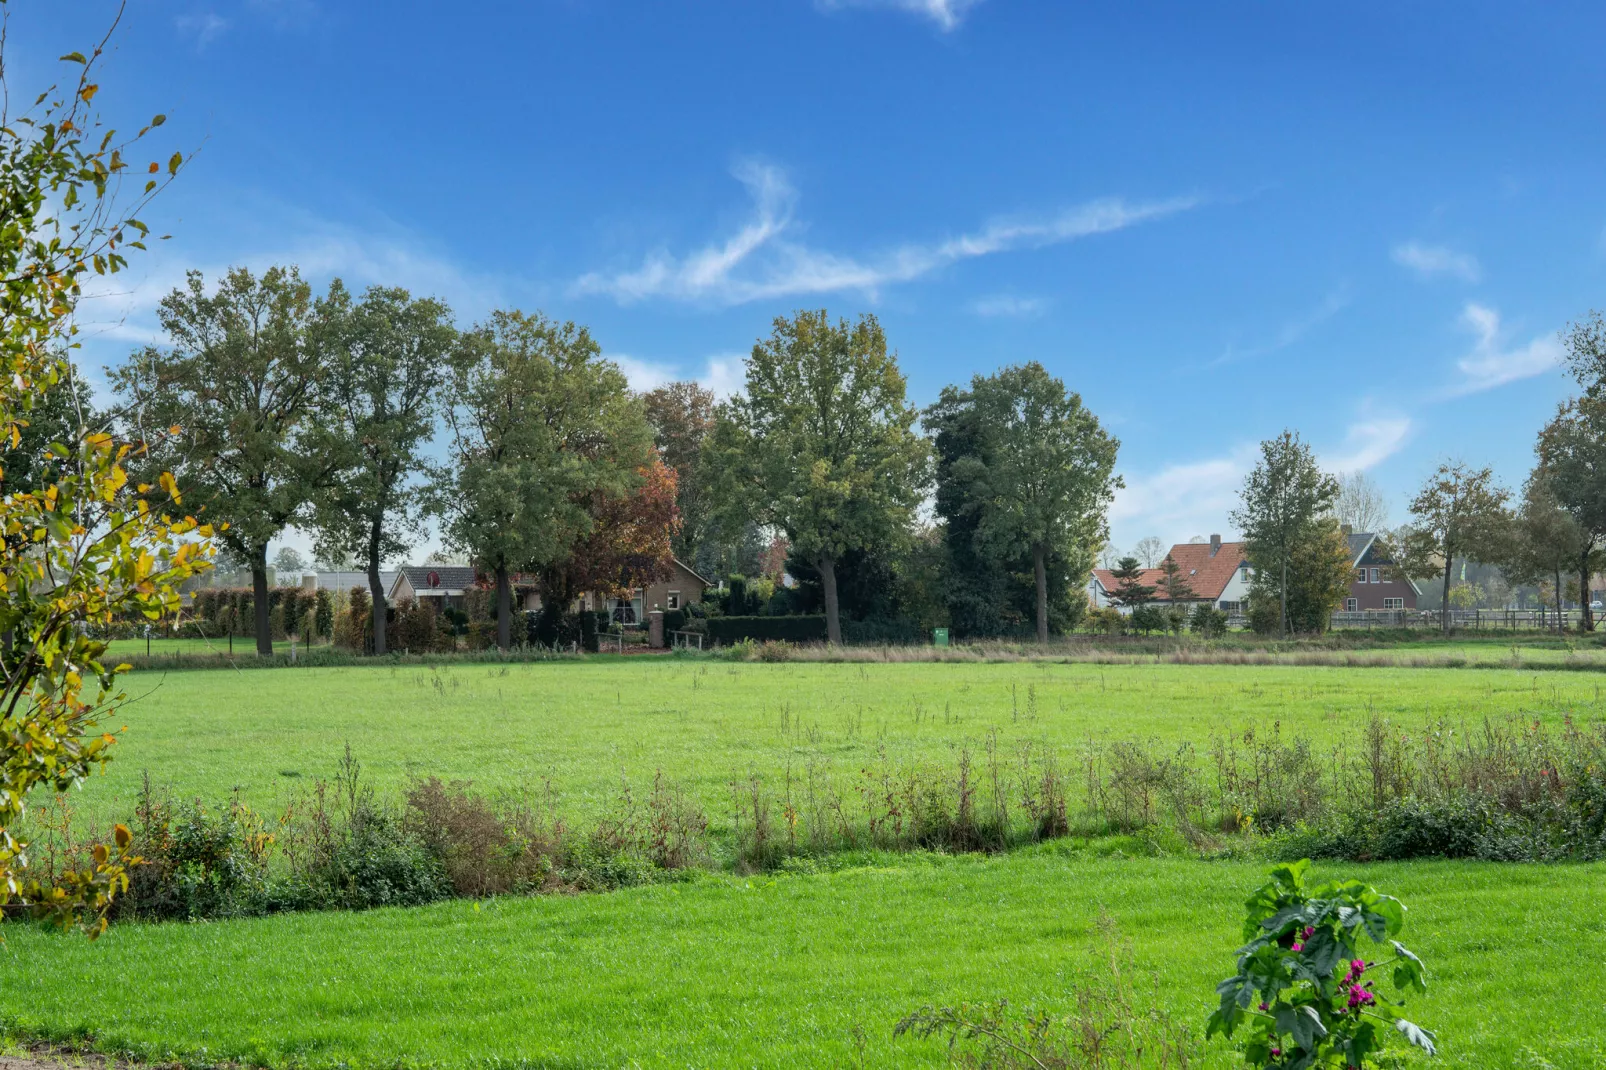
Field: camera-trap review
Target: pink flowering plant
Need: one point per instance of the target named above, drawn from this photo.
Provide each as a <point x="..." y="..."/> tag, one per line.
<point x="1305" y="995"/>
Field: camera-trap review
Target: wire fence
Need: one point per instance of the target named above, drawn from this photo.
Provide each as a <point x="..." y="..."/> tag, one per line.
<point x="1543" y="619"/>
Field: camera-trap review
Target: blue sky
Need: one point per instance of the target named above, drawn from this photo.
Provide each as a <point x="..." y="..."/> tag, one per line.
<point x="1364" y="222"/>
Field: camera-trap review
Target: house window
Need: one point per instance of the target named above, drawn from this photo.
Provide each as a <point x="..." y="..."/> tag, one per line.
<point x="674" y="600"/>
<point x="1351" y="605"/>
<point x="1243" y="573"/>
<point x="1393" y="603"/>
<point x="1375" y="575"/>
<point x="1388" y="575"/>
<point x="1360" y="575"/>
<point x="1232" y="609"/>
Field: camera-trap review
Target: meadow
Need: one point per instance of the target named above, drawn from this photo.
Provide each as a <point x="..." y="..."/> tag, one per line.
<point x="581" y="727"/>
<point x="802" y="968"/>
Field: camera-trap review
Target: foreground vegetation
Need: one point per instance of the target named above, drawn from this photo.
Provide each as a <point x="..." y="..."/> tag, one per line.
<point x="731" y="971"/>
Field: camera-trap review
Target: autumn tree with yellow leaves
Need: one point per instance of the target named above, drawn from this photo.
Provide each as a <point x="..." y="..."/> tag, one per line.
<point x="80" y="543"/>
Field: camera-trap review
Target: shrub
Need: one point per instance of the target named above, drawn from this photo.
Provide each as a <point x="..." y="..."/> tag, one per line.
<point x="1208" y="621"/>
<point x="413" y="626"/>
<point x="481" y="852"/>
<point x="1265" y="617"/>
<point x="588" y="632"/>
<point x="1302" y="993"/>
<point x="674" y="620"/>
<point x="323" y="614"/>
<point x="1148" y="618"/>
<point x="1106" y="620"/>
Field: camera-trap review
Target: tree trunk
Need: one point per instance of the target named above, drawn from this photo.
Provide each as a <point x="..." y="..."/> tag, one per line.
<point x="1444" y="605"/>
<point x="833" y="622"/>
<point x="259" y="595"/>
<point x="381" y="610"/>
<point x="1040" y="567"/>
<point x="1561" y="621"/>
<point x="504" y="609"/>
<point x="1586" y="619"/>
<point x="1288" y="628"/>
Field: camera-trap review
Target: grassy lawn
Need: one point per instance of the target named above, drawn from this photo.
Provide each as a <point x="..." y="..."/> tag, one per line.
<point x="583" y="724"/>
<point x="729" y="971"/>
<point x="726" y="971"/>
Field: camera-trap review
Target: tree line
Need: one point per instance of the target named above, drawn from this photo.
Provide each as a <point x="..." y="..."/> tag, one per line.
<point x="361" y="417"/>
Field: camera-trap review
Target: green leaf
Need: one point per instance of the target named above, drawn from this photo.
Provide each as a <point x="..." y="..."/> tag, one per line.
<point x="174" y="162"/>
<point x="1417" y="1035"/>
<point x="158" y="120"/>
<point x="1303" y="1023"/>
<point x="74" y="57"/>
<point x="1408" y="972"/>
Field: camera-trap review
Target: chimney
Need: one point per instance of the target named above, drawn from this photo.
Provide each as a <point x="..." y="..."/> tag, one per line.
<point x="1215" y="545"/>
<point x="1347" y="529"/>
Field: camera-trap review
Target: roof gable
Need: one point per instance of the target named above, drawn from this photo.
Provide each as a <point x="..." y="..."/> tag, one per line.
<point x="1207" y="574"/>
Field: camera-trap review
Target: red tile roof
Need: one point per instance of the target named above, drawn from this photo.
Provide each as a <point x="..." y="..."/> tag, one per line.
<point x="1207" y="575"/>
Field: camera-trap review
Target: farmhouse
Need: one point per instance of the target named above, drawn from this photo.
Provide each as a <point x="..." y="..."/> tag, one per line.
<point x="1217" y="572"/>
<point x="678" y="588"/>
<point x="1377" y="583"/>
<point x="444" y="585"/>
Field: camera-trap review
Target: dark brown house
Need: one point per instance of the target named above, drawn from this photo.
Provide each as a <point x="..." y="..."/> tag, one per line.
<point x="1377" y="582"/>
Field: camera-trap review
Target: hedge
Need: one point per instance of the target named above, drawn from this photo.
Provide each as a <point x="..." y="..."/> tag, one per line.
<point x="792" y="629"/>
<point x="811" y="629"/>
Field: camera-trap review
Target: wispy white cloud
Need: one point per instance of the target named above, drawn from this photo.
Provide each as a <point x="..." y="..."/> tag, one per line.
<point x="1493" y="361"/>
<point x="1432" y="261"/>
<point x="204" y="27"/>
<point x="1008" y="305"/>
<point x="761" y="261"/>
<point x="1290" y="333"/>
<point x="723" y="373"/>
<point x="947" y="14"/>
<point x="1368" y="442"/>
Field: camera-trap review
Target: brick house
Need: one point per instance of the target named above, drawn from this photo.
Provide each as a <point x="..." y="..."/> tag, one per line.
<point x="677" y="589"/>
<point x="1376" y="582"/>
<point x="1217" y="571"/>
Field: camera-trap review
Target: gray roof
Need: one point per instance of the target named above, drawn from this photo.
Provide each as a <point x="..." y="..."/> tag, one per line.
<point x="1357" y="545"/>
<point x="447" y="577"/>
<point x="345" y="581"/>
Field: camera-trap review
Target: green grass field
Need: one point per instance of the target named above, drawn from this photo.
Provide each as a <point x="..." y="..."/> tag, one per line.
<point x="732" y="972"/>
<point x="704" y="723"/>
<point x="723" y="970"/>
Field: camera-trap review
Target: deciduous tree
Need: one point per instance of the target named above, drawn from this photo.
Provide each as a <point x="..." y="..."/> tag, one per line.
<point x="240" y="380"/>
<point x="1460" y="513"/>
<point x="1360" y="504"/>
<point x="1545" y="541"/>
<point x="1149" y="550"/>
<point x="1572" y="454"/>
<point x="384" y="361"/>
<point x="682" y="415"/>
<point x="1040" y="476"/>
<point x="629" y="544"/>
<point x="81" y="543"/>
<point x="822" y="443"/>
<point x="539" y="422"/>
<point x="1282" y="505"/>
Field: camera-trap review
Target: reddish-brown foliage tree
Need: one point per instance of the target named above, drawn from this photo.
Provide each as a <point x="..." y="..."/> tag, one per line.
<point x="629" y="542"/>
